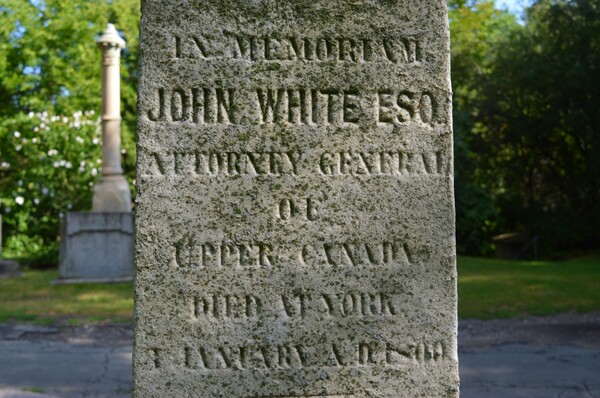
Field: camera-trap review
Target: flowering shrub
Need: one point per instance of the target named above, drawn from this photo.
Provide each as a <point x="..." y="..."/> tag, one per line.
<point x="48" y="166"/>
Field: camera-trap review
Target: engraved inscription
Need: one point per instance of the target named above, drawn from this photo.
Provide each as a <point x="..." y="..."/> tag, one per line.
<point x="328" y="106"/>
<point x="327" y="355"/>
<point x="358" y="304"/>
<point x="396" y="163"/>
<point x="306" y="106"/>
<point x="394" y="49"/>
<point x="226" y="306"/>
<point x="201" y="105"/>
<point x="295" y="198"/>
<point x="212" y="164"/>
<point x="391" y="48"/>
<point x="293" y="209"/>
<point x="257" y="164"/>
<point x="188" y="254"/>
<point x="355" y="304"/>
<point x="357" y="254"/>
<point x="406" y="106"/>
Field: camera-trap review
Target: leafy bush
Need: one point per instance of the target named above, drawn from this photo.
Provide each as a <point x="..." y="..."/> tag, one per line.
<point x="48" y="166"/>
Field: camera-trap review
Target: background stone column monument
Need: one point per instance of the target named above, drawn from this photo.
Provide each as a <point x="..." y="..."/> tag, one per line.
<point x="97" y="246"/>
<point x="111" y="193"/>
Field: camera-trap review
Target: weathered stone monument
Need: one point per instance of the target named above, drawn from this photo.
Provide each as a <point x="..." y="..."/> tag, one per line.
<point x="97" y="246"/>
<point x="111" y="193"/>
<point x="295" y="215"/>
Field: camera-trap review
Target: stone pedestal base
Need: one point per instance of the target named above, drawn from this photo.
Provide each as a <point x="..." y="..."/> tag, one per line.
<point x="96" y="247"/>
<point x="112" y="194"/>
<point x="9" y="268"/>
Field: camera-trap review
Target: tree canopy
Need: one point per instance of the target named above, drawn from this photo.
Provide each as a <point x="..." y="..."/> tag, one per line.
<point x="533" y="135"/>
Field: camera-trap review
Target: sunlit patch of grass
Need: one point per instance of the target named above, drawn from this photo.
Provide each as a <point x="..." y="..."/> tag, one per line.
<point x="33" y="298"/>
<point x="490" y="288"/>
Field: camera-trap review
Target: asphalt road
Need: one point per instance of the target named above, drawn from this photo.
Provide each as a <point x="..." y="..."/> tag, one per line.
<point x="535" y="357"/>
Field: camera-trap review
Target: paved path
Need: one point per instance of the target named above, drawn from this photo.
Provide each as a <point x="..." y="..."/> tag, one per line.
<point x="555" y="357"/>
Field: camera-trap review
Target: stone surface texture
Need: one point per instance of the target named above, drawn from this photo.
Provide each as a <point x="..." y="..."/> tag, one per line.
<point x="294" y="212"/>
<point x="96" y="247"/>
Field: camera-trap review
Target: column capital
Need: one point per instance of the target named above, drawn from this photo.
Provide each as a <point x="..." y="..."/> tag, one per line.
<point x="110" y="38"/>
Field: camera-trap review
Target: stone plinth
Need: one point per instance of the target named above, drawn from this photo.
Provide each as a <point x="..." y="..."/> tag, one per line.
<point x="9" y="268"/>
<point x="96" y="247"/>
<point x="294" y="212"/>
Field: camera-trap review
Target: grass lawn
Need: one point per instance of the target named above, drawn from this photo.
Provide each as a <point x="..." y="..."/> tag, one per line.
<point x="32" y="297"/>
<point x="487" y="288"/>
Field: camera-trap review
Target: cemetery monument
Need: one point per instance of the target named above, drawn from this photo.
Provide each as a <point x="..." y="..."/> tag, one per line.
<point x="295" y="212"/>
<point x="97" y="246"/>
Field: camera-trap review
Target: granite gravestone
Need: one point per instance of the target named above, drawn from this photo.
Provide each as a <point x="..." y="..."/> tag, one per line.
<point x="295" y="216"/>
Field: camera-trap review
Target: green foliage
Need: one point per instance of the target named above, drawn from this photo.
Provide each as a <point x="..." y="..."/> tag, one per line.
<point x="50" y="73"/>
<point x="476" y="27"/>
<point x="536" y="136"/>
<point x="489" y="288"/>
<point x="527" y="126"/>
<point x="48" y="167"/>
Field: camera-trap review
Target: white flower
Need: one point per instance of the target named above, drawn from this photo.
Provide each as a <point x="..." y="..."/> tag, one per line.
<point x="34" y="140"/>
<point x="36" y="201"/>
<point x="82" y="163"/>
<point x="62" y="162"/>
<point x="19" y="200"/>
<point x="69" y="206"/>
<point x="123" y="151"/>
<point x="5" y="165"/>
<point x="56" y="164"/>
<point x="18" y="148"/>
<point x="79" y="139"/>
<point x="45" y="191"/>
<point x="36" y="129"/>
<point x="98" y="161"/>
<point x="95" y="141"/>
<point x="20" y="183"/>
<point x="94" y="172"/>
<point x="7" y="210"/>
<point x="52" y="152"/>
<point x="55" y="118"/>
<point x="68" y="165"/>
<point x="30" y="114"/>
<point x="91" y="184"/>
<point x="65" y="119"/>
<point x="81" y="169"/>
<point x="17" y="134"/>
